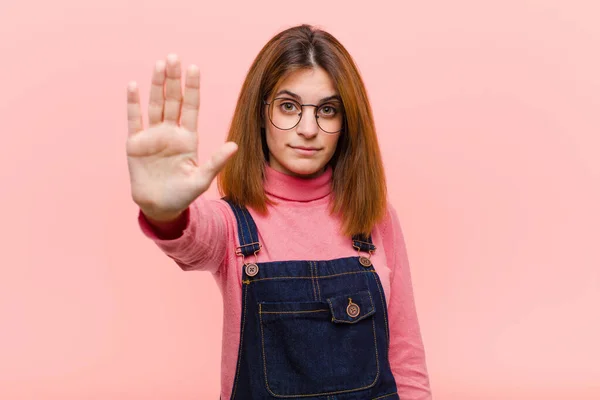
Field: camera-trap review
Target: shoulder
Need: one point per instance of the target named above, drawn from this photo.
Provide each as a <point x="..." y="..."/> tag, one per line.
<point x="215" y="213"/>
<point x="226" y="211"/>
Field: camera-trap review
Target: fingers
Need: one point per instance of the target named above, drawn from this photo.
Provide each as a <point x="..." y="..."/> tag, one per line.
<point x="157" y="97"/>
<point x="218" y="160"/>
<point x="166" y="98"/>
<point x="173" y="90"/>
<point x="134" y="110"/>
<point x="191" y="99"/>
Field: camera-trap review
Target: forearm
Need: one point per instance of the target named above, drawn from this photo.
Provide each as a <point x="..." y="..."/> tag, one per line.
<point x="407" y="353"/>
<point x="195" y="240"/>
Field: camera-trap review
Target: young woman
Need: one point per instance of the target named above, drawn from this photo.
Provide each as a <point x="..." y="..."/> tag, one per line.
<point x="307" y="252"/>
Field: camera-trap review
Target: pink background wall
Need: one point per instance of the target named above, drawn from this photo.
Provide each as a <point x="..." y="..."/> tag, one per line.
<point x="487" y="113"/>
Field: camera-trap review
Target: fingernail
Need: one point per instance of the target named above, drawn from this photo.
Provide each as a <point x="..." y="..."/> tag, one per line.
<point x="132" y="86"/>
<point x="172" y="58"/>
<point x="160" y="65"/>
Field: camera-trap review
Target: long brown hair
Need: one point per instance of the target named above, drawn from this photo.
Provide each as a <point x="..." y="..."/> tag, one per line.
<point x="358" y="183"/>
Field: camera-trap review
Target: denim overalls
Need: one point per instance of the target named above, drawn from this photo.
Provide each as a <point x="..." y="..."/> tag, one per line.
<point x="311" y="329"/>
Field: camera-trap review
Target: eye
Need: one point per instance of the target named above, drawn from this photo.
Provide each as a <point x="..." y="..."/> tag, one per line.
<point x="288" y="106"/>
<point x="328" y="110"/>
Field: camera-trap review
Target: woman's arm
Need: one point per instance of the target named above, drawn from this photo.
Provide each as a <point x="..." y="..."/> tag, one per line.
<point x="407" y="354"/>
<point x="196" y="240"/>
<point x="166" y="230"/>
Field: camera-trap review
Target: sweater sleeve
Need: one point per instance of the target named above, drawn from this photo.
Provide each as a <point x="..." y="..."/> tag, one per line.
<point x="407" y="353"/>
<point x="197" y="240"/>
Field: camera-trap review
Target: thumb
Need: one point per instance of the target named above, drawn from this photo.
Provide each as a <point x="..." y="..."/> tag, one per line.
<point x="218" y="159"/>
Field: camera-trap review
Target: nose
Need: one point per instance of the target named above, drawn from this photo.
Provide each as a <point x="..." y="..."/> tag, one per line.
<point x="308" y="126"/>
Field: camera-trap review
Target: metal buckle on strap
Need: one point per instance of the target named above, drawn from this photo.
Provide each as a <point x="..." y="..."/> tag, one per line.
<point x="238" y="250"/>
<point x="367" y="243"/>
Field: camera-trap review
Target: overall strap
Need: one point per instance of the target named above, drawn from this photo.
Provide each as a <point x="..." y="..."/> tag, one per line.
<point x="247" y="232"/>
<point x="363" y="243"/>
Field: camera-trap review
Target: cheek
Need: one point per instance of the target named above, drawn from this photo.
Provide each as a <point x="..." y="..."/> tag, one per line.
<point x="332" y="143"/>
<point x="269" y="139"/>
<point x="274" y="140"/>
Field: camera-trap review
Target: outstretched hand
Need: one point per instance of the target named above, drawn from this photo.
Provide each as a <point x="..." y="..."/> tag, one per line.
<point x="165" y="174"/>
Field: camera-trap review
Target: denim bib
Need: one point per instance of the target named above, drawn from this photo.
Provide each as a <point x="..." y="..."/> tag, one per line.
<point x="314" y="329"/>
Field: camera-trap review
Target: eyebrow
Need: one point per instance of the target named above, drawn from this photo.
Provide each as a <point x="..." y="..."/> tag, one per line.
<point x="294" y="95"/>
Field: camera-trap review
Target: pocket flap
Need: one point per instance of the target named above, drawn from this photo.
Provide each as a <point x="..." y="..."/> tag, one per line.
<point x="351" y="308"/>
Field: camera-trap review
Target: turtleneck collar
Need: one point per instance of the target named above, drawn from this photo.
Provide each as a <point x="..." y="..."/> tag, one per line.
<point x="288" y="187"/>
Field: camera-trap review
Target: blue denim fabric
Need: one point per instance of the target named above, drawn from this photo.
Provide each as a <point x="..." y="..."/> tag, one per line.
<point x="314" y="330"/>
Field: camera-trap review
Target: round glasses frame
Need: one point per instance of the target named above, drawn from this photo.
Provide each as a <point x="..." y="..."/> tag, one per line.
<point x="300" y="115"/>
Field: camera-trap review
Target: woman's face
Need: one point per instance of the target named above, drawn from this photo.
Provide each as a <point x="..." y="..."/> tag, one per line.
<point x="304" y="150"/>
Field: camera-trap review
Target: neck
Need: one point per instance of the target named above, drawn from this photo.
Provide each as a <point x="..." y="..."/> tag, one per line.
<point x="297" y="188"/>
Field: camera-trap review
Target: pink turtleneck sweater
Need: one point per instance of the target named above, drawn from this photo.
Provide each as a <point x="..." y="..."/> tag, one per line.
<point x="298" y="227"/>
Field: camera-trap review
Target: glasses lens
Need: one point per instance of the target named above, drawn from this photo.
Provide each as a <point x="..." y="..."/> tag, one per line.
<point x="286" y="113"/>
<point x="330" y="117"/>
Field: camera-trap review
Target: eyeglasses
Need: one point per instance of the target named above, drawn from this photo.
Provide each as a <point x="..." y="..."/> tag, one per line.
<point x="286" y="113"/>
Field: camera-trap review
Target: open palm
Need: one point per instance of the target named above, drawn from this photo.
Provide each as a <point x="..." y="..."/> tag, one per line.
<point x="164" y="171"/>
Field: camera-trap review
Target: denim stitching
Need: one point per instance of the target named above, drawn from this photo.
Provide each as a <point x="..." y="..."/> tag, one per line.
<point x="262" y="334"/>
<point x="310" y="277"/>
<point x="241" y="236"/>
<point x="317" y="281"/>
<point x="293" y="312"/>
<point x="239" y="220"/>
<point x="356" y="320"/>
<point x="248" y="225"/>
<point x="237" y="375"/>
<point x="370" y="246"/>
<point x="384" y="305"/>
<point x="385" y="395"/>
<point x="376" y="352"/>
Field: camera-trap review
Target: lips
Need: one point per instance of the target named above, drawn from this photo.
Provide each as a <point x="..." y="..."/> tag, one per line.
<point x="305" y="151"/>
<point x="304" y="148"/>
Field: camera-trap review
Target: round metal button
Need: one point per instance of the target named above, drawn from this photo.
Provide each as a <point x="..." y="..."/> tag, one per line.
<point x="251" y="269"/>
<point x="364" y="261"/>
<point x="353" y="310"/>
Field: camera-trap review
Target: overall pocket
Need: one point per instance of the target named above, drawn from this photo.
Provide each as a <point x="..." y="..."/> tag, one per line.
<point x="319" y="347"/>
